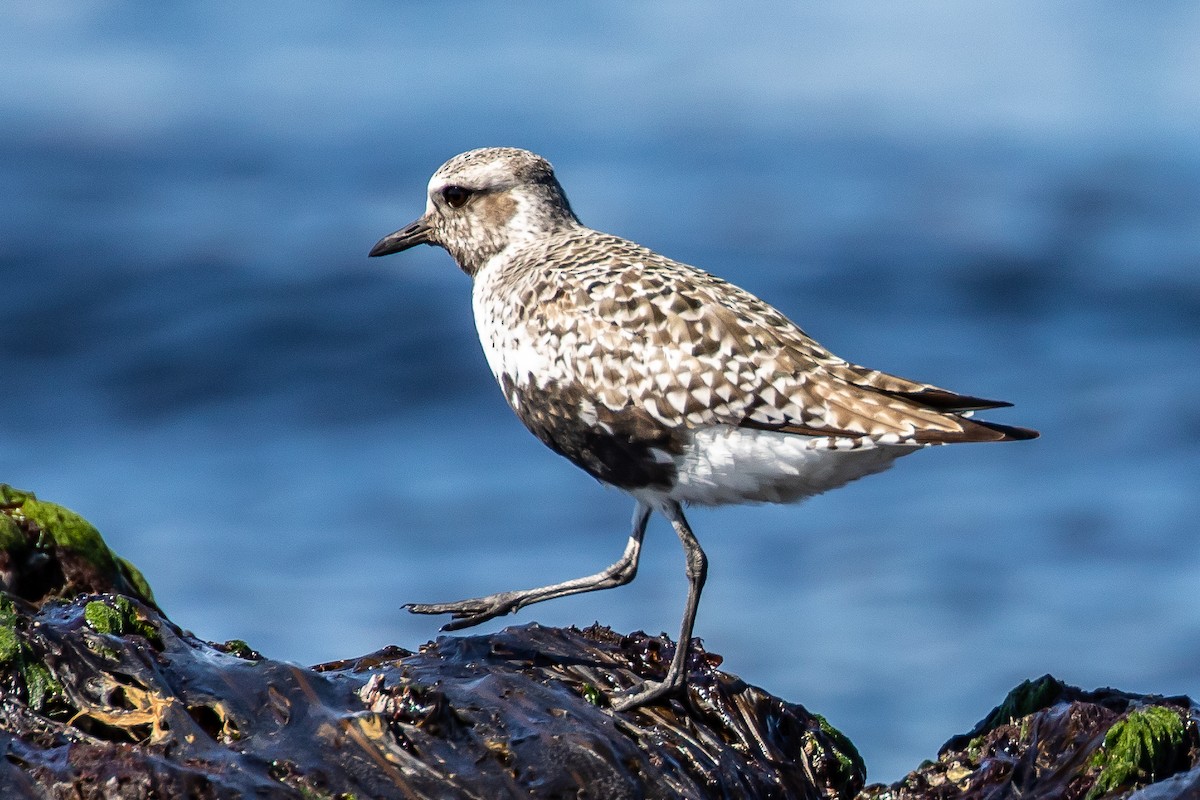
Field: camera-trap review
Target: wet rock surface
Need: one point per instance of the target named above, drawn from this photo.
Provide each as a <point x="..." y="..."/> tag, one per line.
<point x="104" y="697"/>
<point x="138" y="708"/>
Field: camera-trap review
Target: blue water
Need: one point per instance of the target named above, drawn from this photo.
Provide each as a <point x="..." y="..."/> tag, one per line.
<point x="291" y="441"/>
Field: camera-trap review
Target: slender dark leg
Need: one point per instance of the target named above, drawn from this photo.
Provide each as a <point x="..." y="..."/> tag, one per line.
<point x="697" y="571"/>
<point x="480" y="609"/>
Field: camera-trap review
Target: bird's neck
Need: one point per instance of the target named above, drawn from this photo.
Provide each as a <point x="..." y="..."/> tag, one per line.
<point x="517" y="238"/>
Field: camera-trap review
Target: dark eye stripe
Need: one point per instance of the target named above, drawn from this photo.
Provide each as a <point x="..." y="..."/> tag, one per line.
<point x="456" y="196"/>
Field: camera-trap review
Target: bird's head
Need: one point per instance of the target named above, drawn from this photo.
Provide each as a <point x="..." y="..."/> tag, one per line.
<point x="483" y="201"/>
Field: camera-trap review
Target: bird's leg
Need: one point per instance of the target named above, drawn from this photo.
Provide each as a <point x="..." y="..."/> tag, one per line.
<point x="697" y="571"/>
<point x="470" y="612"/>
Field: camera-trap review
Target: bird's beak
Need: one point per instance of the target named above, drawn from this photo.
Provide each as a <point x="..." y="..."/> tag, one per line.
<point x="411" y="235"/>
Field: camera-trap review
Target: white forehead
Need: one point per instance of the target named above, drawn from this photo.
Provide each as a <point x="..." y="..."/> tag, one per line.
<point x="491" y="168"/>
<point x="494" y="174"/>
<point x="474" y="176"/>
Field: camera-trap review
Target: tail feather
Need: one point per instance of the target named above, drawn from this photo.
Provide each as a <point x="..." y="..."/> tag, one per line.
<point x="922" y="394"/>
<point x="934" y="398"/>
<point x="977" y="430"/>
<point x="945" y="400"/>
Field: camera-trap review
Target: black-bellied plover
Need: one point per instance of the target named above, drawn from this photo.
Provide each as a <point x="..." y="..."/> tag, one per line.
<point x="657" y="377"/>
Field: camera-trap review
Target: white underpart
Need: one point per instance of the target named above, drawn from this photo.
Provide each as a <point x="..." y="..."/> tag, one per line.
<point x="724" y="465"/>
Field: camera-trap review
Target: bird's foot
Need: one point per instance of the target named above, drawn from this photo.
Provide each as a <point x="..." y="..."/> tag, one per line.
<point x="649" y="692"/>
<point x="467" y="613"/>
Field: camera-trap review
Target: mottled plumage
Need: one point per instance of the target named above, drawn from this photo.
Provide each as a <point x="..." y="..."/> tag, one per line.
<point x="655" y="376"/>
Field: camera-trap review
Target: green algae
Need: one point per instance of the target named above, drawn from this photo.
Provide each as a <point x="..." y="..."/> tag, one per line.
<point x="1148" y="745"/>
<point x="9" y="639"/>
<point x="239" y="648"/>
<point x="1024" y="699"/>
<point x="15" y="657"/>
<point x="41" y="686"/>
<point x="851" y="770"/>
<point x="103" y="618"/>
<point x="591" y="694"/>
<point x="10" y="645"/>
<point x="10" y="642"/>
<point x="11" y="537"/>
<point x="117" y="616"/>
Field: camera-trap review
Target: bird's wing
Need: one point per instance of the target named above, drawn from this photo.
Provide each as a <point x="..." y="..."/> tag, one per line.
<point x="648" y="333"/>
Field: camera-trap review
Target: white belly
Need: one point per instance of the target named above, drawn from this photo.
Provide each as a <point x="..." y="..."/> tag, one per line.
<point x="725" y="465"/>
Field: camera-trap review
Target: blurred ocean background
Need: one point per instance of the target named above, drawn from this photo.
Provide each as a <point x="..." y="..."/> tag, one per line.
<point x="291" y="441"/>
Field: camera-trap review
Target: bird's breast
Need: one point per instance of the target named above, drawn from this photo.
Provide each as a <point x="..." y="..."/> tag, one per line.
<point x="546" y="370"/>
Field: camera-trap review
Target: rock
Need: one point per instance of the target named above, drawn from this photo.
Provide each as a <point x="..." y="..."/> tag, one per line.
<point x="105" y="697"/>
<point x="1050" y="740"/>
<point x="50" y="551"/>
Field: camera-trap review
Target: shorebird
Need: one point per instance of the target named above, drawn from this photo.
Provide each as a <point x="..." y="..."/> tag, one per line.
<point x="656" y="377"/>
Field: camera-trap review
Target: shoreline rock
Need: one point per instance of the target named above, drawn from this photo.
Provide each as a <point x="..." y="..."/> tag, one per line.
<point x="105" y="697"/>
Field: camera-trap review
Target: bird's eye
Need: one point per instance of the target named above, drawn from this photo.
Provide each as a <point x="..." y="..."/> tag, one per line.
<point x="456" y="196"/>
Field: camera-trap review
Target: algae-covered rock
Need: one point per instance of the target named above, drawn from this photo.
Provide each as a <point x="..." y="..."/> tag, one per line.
<point x="1145" y="746"/>
<point x="1047" y="739"/>
<point x="50" y="551"/>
